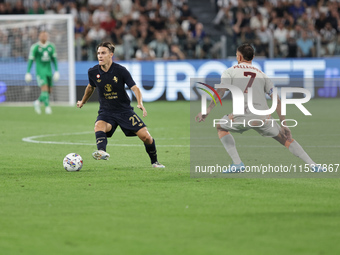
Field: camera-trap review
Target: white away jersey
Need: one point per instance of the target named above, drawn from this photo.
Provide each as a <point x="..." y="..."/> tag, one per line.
<point x="245" y="75"/>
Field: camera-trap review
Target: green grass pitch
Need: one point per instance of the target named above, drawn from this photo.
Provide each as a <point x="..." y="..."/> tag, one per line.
<point x="123" y="206"/>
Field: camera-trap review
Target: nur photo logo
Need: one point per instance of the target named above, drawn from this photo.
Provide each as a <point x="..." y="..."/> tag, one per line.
<point x="204" y="97"/>
<point x="239" y="96"/>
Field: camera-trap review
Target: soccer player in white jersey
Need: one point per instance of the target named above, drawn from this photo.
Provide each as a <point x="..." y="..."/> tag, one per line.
<point x="244" y="75"/>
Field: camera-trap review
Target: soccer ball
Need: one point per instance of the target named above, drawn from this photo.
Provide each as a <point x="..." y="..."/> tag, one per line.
<point x="73" y="162"/>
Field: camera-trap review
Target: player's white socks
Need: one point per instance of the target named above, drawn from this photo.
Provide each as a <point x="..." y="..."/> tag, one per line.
<point x="228" y="142"/>
<point x="298" y="151"/>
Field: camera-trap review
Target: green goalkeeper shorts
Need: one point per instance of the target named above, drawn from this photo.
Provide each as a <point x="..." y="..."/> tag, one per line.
<point x="44" y="80"/>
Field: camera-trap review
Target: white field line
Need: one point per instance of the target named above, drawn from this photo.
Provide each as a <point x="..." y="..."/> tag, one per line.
<point x="34" y="139"/>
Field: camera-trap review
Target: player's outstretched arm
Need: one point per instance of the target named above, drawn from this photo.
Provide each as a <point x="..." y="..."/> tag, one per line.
<point x="139" y="98"/>
<point x="87" y="94"/>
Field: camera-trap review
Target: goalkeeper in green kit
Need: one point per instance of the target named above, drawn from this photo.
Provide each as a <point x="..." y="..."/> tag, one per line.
<point x="43" y="53"/>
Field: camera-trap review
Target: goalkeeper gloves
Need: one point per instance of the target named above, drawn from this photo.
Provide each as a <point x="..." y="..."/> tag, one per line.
<point x="28" y="77"/>
<point x="56" y="76"/>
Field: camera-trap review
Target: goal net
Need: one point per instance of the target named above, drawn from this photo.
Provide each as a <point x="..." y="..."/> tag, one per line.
<point x="17" y="34"/>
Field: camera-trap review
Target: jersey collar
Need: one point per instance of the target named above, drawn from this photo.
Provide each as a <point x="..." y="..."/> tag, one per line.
<point x="245" y="63"/>
<point x="43" y="45"/>
<point x="101" y="71"/>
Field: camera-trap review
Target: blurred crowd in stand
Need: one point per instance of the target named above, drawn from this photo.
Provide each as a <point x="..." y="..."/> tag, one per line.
<point x="296" y="27"/>
<point x="169" y="30"/>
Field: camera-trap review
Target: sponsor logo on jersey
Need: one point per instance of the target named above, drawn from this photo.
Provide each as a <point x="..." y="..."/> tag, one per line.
<point x="45" y="56"/>
<point x="108" y="87"/>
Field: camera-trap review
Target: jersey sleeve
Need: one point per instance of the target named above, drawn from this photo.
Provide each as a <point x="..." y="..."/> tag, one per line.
<point x="54" y="51"/>
<point x="128" y="78"/>
<point x="31" y="57"/>
<point x="33" y="49"/>
<point x="226" y="77"/>
<point x="92" y="83"/>
<point x="54" y="57"/>
<point x="269" y="85"/>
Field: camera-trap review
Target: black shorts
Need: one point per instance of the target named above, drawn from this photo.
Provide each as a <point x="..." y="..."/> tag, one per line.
<point x="128" y="121"/>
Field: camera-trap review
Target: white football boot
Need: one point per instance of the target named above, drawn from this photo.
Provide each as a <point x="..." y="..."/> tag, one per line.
<point x="98" y="155"/>
<point x="158" y="165"/>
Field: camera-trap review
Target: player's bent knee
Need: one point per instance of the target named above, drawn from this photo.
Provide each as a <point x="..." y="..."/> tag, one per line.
<point x="101" y="126"/>
<point x="148" y="140"/>
<point x="221" y="131"/>
<point x="145" y="136"/>
<point x="219" y="128"/>
<point x="281" y="139"/>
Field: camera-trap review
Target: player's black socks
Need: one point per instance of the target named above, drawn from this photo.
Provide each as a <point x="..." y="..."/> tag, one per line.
<point x="101" y="140"/>
<point x="151" y="150"/>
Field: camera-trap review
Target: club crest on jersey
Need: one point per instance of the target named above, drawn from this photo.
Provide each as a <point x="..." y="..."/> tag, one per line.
<point x="108" y="87"/>
<point x="115" y="79"/>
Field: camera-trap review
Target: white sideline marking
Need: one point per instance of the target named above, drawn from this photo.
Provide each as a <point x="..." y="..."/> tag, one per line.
<point x="32" y="139"/>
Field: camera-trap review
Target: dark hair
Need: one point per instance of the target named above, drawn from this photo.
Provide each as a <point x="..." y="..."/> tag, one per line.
<point x="108" y="45"/>
<point x="247" y="51"/>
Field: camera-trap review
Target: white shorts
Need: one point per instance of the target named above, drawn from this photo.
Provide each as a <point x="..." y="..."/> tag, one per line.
<point x="265" y="127"/>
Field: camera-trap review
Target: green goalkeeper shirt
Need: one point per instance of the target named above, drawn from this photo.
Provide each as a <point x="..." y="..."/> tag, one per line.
<point x="43" y="54"/>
